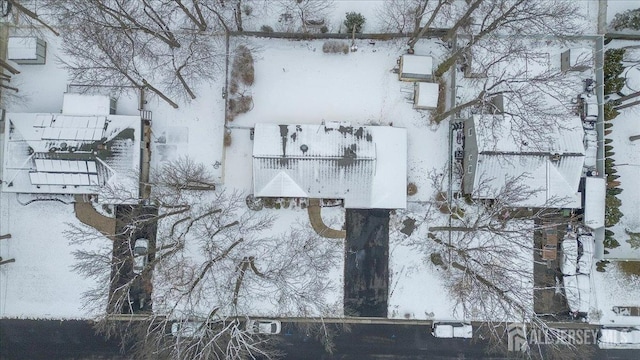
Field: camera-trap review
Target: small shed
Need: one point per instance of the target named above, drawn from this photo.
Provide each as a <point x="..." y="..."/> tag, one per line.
<point x="577" y="59"/>
<point x="83" y="104"/>
<point x="425" y="95"/>
<point x="416" y="68"/>
<point x="27" y="50"/>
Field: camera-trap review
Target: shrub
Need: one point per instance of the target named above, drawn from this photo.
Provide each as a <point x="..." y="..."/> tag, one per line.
<point x="266" y="29"/>
<point x="612" y="212"/>
<point x="613" y="85"/>
<point x="335" y="46"/>
<point x="240" y="105"/>
<point x="354" y="19"/>
<point x="412" y="189"/>
<point x="233" y="86"/>
<point x="242" y="67"/>
<point x="324" y="29"/>
<point x="247" y="10"/>
<point x="227" y="139"/>
<point x="601" y="265"/>
<point x="629" y="19"/>
<point x="613" y="63"/>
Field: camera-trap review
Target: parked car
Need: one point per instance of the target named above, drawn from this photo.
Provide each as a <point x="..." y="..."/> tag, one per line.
<point x="271" y="327"/>
<point x="589" y="108"/>
<point x="452" y="330"/>
<point x="188" y="329"/>
<point x="140" y="255"/>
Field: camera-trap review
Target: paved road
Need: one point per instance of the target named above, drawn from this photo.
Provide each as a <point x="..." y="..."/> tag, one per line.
<point x="47" y="339"/>
<point x="366" y="269"/>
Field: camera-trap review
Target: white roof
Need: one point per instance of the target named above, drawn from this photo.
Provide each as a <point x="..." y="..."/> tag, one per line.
<point x="619" y="336"/>
<point x="426" y="95"/>
<point x="365" y="166"/>
<point x="22" y="48"/>
<point x="586" y="259"/>
<point x="501" y="158"/>
<point x="81" y="104"/>
<point x="569" y="256"/>
<point x="417" y="64"/>
<point x="578" y="292"/>
<point x="594" y="202"/>
<point x="53" y="153"/>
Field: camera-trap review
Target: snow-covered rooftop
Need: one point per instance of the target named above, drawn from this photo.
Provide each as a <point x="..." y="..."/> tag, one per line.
<point x="426" y="95"/>
<point x="417" y="65"/>
<point x="552" y="169"/>
<point x="22" y="48"/>
<point x="365" y="166"/>
<point x="81" y="104"/>
<point x="70" y="154"/>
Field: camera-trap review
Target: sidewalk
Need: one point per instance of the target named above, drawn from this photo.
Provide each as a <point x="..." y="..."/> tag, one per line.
<point x="89" y="216"/>
<point x="315" y="218"/>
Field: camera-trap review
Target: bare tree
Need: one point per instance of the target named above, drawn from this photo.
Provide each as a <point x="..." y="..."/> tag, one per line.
<point x="306" y="10"/>
<point x="486" y="249"/>
<point x="513" y="17"/>
<point x="167" y="47"/>
<point x="532" y="93"/>
<point x="211" y="260"/>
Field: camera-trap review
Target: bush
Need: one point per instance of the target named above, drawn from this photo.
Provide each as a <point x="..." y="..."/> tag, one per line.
<point x="614" y="85"/>
<point x="233" y="86"/>
<point x="227" y="139"/>
<point x="613" y="63"/>
<point x="354" y="19"/>
<point x="612" y="212"/>
<point x="242" y="67"/>
<point x="334" y="47"/>
<point x="412" y="189"/>
<point x="247" y="10"/>
<point x="324" y="29"/>
<point x="266" y="29"/>
<point x="240" y="105"/>
<point x="629" y="19"/>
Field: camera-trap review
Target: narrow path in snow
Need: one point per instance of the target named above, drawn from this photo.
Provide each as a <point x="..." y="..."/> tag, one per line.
<point x="89" y="216"/>
<point x="315" y="218"/>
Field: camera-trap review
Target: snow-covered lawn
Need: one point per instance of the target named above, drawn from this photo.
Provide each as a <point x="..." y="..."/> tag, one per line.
<point x="296" y="83"/>
<point x="614" y="288"/>
<point x="40" y="283"/>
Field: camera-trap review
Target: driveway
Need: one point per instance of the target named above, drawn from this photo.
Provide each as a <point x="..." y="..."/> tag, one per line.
<point x="366" y="270"/>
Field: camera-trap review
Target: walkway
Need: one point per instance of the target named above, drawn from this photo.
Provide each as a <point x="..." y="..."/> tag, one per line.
<point x="89" y="216"/>
<point x="318" y="224"/>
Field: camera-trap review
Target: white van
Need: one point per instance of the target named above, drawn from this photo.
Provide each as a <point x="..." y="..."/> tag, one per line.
<point x="140" y="251"/>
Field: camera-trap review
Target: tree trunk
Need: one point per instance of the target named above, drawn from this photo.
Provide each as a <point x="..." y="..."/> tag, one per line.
<point x="451" y="33"/>
<point x="2" y="262"/>
<point x="418" y="33"/>
<point x="159" y="93"/>
<point x="5" y="236"/>
<point x="32" y="15"/>
<point x="439" y="117"/>
<point x="627" y="105"/>
<point x="11" y="69"/>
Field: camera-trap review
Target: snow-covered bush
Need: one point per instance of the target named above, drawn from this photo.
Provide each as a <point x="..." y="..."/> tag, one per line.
<point x="335" y="46"/>
<point x="629" y="19"/>
<point x="242" y="67"/>
<point x="266" y="29"/>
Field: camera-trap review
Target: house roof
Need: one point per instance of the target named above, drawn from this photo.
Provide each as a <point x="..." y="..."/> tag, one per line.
<point x="417" y="64"/>
<point x="552" y="169"/>
<point x="365" y="166"/>
<point x="426" y="95"/>
<point x="22" y="48"/>
<point x="68" y="154"/>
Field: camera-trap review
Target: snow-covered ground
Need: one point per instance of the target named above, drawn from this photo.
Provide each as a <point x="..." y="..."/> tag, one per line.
<point x="40" y="283"/>
<point x="296" y="83"/>
<point x="614" y="288"/>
